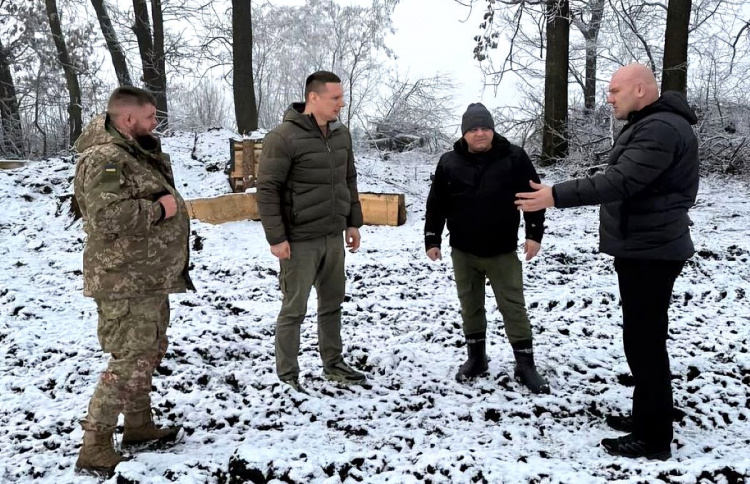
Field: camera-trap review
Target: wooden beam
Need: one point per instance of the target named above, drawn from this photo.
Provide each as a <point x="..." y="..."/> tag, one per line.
<point x="225" y="208"/>
<point x="10" y="164"/>
<point x="377" y="208"/>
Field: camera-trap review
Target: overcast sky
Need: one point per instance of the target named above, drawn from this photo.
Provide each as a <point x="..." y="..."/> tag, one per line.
<point x="436" y="36"/>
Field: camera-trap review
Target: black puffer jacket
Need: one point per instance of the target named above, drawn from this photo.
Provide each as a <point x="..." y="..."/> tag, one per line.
<point x="475" y="192"/>
<point x="649" y="185"/>
<point x="307" y="184"/>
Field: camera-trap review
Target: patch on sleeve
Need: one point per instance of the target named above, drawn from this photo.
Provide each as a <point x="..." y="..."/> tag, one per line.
<point x="110" y="181"/>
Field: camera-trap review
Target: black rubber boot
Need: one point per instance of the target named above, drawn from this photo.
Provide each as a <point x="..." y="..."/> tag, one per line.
<point x="476" y="364"/>
<point x="526" y="369"/>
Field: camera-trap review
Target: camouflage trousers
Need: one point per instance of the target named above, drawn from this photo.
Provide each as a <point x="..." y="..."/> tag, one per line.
<point x="134" y="332"/>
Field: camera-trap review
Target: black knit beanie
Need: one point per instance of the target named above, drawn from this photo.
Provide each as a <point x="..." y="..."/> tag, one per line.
<point x="476" y="116"/>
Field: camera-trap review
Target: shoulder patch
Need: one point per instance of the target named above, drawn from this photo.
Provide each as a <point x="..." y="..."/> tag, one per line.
<point x="110" y="180"/>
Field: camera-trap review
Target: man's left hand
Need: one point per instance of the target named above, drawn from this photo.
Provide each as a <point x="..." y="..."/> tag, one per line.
<point x="534" y="201"/>
<point x="352" y="239"/>
<point x="531" y="248"/>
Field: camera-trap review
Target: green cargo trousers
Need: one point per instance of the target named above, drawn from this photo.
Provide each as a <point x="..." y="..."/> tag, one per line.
<point x="320" y="263"/>
<point x="506" y="278"/>
<point x="134" y="332"/>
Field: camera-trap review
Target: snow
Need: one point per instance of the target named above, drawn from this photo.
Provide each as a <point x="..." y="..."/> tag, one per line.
<point x="412" y="422"/>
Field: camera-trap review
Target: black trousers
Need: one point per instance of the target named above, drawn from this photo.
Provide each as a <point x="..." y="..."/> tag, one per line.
<point x="645" y="291"/>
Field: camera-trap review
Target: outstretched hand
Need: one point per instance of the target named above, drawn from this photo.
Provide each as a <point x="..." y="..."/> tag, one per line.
<point x="537" y="200"/>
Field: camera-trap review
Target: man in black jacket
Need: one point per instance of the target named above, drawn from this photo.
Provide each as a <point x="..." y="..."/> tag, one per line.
<point x="645" y="194"/>
<point x="473" y="190"/>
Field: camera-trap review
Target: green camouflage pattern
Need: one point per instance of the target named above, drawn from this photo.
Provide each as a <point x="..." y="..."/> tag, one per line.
<point x="134" y="331"/>
<point x="129" y="251"/>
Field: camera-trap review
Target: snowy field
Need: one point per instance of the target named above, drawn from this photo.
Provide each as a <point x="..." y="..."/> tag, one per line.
<point x="412" y="422"/>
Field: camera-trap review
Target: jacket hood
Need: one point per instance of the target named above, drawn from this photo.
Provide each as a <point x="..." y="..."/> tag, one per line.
<point x="294" y="114"/>
<point x="669" y="101"/>
<point x="500" y="146"/>
<point x="95" y="133"/>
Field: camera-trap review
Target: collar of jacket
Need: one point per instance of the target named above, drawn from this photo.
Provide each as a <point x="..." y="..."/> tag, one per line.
<point x="294" y="114"/>
<point x="500" y="147"/>
<point x="669" y="102"/>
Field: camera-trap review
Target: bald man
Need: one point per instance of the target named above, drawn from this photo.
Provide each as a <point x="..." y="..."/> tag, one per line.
<point x="650" y="183"/>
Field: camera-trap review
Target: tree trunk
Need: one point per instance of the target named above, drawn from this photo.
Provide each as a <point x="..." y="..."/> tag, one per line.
<point x="75" y="122"/>
<point x="591" y="35"/>
<point x="161" y="64"/>
<point x="554" y="134"/>
<point x="154" y="75"/>
<point x="245" y="108"/>
<point x="10" y="116"/>
<point x="113" y="45"/>
<point x="674" y="76"/>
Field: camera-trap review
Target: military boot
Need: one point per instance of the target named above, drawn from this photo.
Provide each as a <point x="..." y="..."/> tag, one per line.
<point x="98" y="456"/>
<point x="140" y="429"/>
<point x="476" y="364"/>
<point x="526" y="369"/>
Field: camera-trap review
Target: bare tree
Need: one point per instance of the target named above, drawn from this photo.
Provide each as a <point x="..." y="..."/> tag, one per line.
<point x="554" y="141"/>
<point x="10" y="115"/>
<point x="151" y="48"/>
<point x="119" y="61"/>
<point x="245" y="108"/>
<point x="411" y="114"/>
<point x="590" y="31"/>
<point x="289" y="43"/>
<point x="674" y="66"/>
<point x="75" y="122"/>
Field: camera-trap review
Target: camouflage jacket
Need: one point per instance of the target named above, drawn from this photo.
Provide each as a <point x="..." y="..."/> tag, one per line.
<point x="130" y="251"/>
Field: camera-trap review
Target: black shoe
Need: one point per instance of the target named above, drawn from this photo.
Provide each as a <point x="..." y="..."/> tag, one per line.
<point x="526" y="369"/>
<point x="633" y="447"/>
<point x="294" y="384"/>
<point x="476" y="363"/>
<point x="621" y="423"/>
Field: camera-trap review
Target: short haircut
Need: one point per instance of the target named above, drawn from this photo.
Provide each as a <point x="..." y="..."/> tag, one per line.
<point x="129" y="96"/>
<point x="317" y="80"/>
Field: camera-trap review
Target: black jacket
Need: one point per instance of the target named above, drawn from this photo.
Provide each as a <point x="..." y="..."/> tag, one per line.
<point x="649" y="185"/>
<point x="475" y="192"/>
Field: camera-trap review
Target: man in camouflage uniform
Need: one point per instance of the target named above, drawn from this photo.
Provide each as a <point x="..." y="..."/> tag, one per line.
<point x="307" y="197"/>
<point x="136" y="254"/>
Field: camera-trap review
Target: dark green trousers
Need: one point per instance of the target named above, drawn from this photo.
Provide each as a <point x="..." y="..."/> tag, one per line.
<point x="505" y="274"/>
<point x="315" y="263"/>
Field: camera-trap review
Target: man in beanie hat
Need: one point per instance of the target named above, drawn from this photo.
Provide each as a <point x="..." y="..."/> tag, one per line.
<point x="473" y="190"/>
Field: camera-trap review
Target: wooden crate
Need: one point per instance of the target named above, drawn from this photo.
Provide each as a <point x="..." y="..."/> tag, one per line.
<point x="243" y="163"/>
<point x="377" y="208"/>
<point x="383" y="208"/>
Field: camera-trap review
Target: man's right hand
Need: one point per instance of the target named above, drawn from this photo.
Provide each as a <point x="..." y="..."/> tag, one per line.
<point x="169" y="204"/>
<point x="435" y="254"/>
<point x="282" y="250"/>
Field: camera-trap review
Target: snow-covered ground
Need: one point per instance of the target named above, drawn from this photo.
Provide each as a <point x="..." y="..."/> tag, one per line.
<point x="412" y="422"/>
